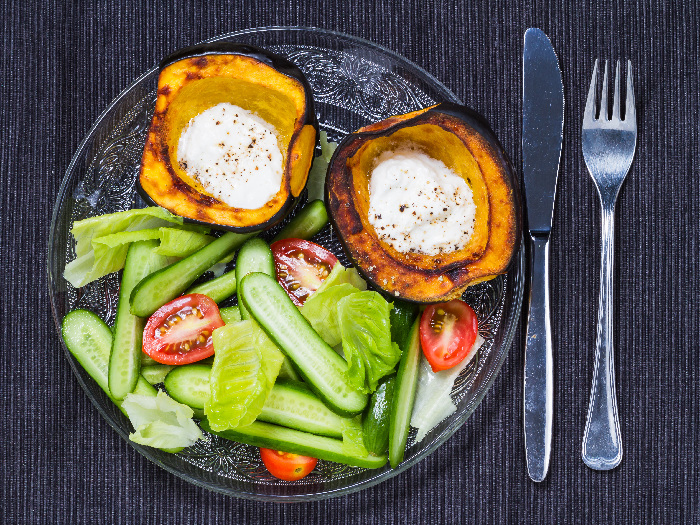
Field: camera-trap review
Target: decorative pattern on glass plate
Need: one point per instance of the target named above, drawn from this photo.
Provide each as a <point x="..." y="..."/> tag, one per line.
<point x="355" y="83"/>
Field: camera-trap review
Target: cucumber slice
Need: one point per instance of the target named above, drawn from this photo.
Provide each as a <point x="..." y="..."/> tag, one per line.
<point x="308" y="222"/>
<point x="125" y="358"/>
<point x="292" y="404"/>
<point x="147" y="360"/>
<point x="404" y="395"/>
<point x="320" y="366"/>
<point x="218" y="289"/>
<point x="287" y="370"/>
<point x="275" y="437"/>
<point x="163" y="286"/>
<point x="375" y="424"/>
<point x="155" y="374"/>
<point x="255" y="256"/>
<point x="189" y="385"/>
<point x="402" y="316"/>
<point x="230" y="314"/>
<point x="89" y="340"/>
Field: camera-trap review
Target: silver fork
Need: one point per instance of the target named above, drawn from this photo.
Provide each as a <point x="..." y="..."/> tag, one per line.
<point x="608" y="149"/>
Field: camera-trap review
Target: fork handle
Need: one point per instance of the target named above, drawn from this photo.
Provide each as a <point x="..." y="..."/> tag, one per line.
<point x="602" y="442"/>
<point x="538" y="386"/>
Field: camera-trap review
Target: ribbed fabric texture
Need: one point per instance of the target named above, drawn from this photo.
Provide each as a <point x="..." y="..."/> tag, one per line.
<point x="62" y="64"/>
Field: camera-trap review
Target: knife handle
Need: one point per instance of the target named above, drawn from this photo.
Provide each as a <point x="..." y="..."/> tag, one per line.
<point x="539" y="380"/>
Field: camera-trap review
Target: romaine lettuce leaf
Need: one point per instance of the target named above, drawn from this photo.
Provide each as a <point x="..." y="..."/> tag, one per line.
<point x="181" y="243"/>
<point x="102" y="241"/>
<point x="321" y="312"/>
<point x="107" y="255"/>
<point x="160" y="421"/>
<point x="365" y="330"/>
<point x="246" y="365"/>
<point x="140" y="219"/>
<point x="320" y="308"/>
<point x="339" y="275"/>
<point x="108" y="252"/>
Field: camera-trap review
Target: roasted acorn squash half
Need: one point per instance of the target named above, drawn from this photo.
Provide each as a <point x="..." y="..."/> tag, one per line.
<point x="464" y="142"/>
<point x="197" y="78"/>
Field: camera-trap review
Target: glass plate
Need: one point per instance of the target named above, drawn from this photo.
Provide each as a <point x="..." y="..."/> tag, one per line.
<point x="355" y="82"/>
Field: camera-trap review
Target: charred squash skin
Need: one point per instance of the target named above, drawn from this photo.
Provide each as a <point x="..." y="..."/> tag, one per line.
<point x="199" y="77"/>
<point x="461" y="139"/>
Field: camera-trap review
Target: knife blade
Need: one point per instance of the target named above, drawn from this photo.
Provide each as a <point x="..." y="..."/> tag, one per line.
<point x="543" y="125"/>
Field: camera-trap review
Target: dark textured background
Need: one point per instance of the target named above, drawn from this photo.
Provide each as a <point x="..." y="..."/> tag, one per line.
<point x="62" y="65"/>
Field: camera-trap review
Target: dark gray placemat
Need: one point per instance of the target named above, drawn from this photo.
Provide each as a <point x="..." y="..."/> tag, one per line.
<point x="61" y="66"/>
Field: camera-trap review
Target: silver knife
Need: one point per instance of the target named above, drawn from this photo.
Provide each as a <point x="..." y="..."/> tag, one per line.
<point x="543" y="124"/>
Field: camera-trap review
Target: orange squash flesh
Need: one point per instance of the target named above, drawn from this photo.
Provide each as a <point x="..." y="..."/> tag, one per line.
<point x="460" y="139"/>
<point x="246" y="77"/>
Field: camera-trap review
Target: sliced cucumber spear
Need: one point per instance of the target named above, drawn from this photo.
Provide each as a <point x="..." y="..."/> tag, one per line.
<point x="89" y="339"/>
<point x="404" y="395"/>
<point x="289" y="404"/>
<point x="375" y="423"/>
<point x="320" y="366"/>
<point x="217" y="289"/>
<point x="266" y="435"/>
<point x="307" y="223"/>
<point x="230" y="314"/>
<point x="163" y="286"/>
<point x="155" y="374"/>
<point x="255" y="256"/>
<point x="125" y="358"/>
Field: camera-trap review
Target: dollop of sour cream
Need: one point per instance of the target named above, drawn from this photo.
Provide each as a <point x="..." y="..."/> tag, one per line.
<point x="418" y="205"/>
<point x="234" y="154"/>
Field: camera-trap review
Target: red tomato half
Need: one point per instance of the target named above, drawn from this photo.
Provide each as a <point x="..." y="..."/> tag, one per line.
<point x="285" y="465"/>
<point x="301" y="267"/>
<point x="180" y="331"/>
<point x="447" y="333"/>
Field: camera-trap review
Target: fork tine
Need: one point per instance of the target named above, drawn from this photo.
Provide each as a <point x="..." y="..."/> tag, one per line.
<point x="603" y="115"/>
<point x="616" y="94"/>
<point x="589" y="114"/>
<point x="630" y="112"/>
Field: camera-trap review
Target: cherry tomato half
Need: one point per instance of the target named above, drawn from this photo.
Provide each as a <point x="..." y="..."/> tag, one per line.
<point x="285" y="465"/>
<point x="179" y="332"/>
<point x="447" y="333"/>
<point x="301" y="267"/>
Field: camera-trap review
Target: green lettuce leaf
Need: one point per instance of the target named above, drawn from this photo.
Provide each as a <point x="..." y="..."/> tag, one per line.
<point x="321" y="312"/>
<point x="365" y="330"/>
<point x="181" y="243"/>
<point x="320" y="308"/>
<point x="141" y="219"/>
<point x="107" y="255"/>
<point x="160" y="421"/>
<point x="108" y="252"/>
<point x="102" y="241"/>
<point x="246" y="365"/>
<point x="317" y="173"/>
<point x="339" y="275"/>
